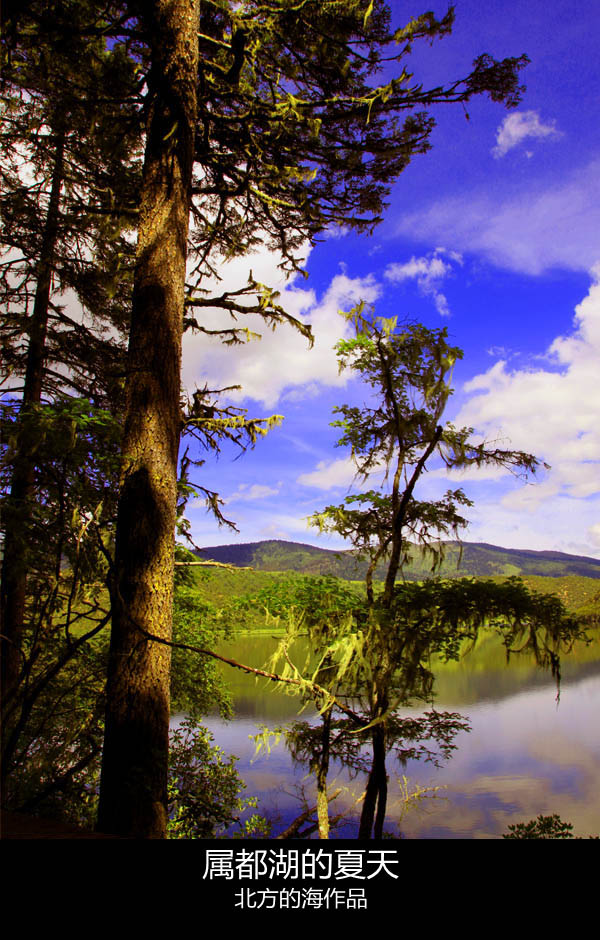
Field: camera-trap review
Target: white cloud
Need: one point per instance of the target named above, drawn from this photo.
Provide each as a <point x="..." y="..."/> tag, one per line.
<point x="519" y="126"/>
<point x="247" y="493"/>
<point x="471" y="474"/>
<point x="330" y="474"/>
<point x="281" y="360"/>
<point x="593" y="534"/>
<point x="303" y="393"/>
<point x="556" y="226"/>
<point x="559" y="525"/>
<point x="286" y="526"/>
<point x="341" y="474"/>
<point x="503" y="351"/>
<point x="429" y="272"/>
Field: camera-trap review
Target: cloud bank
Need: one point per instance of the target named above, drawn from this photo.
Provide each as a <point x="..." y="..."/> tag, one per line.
<point x="551" y="410"/>
<point x="281" y="361"/>
<point x="554" y="413"/>
<point x="542" y="228"/>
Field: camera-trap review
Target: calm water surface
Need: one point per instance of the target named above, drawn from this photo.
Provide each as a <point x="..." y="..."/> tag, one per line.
<point x="526" y="754"/>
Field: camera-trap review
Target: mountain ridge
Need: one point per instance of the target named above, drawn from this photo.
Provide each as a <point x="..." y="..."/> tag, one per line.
<point x="479" y="559"/>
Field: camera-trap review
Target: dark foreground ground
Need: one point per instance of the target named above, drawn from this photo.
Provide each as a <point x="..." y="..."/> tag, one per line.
<point x="21" y="826"/>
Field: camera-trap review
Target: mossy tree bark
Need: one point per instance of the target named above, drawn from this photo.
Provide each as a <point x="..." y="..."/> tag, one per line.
<point x="133" y="794"/>
<point x="322" y="770"/>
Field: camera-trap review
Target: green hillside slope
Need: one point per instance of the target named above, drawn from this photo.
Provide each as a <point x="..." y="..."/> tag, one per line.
<point x="478" y="560"/>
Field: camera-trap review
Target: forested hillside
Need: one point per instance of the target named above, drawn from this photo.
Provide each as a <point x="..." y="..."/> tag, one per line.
<point x="478" y="560"/>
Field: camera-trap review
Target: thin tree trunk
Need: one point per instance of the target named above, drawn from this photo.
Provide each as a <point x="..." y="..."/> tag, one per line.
<point x="133" y="792"/>
<point x="400" y="518"/>
<point x="375" y="801"/>
<point x="379" y="762"/>
<point x="322" y="771"/>
<point x="16" y="534"/>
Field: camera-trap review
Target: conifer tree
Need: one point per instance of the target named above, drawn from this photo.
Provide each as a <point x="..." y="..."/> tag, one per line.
<point x="369" y="656"/>
<point x="268" y="121"/>
<point x="399" y="432"/>
<point x="69" y="136"/>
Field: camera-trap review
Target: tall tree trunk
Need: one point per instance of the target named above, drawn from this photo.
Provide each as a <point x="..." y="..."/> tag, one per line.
<point x="133" y="792"/>
<point x="16" y="536"/>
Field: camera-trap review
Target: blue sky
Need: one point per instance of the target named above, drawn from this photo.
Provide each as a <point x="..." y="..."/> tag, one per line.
<point x="495" y="234"/>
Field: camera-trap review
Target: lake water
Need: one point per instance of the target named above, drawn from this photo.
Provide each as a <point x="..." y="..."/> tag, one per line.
<point x="526" y="753"/>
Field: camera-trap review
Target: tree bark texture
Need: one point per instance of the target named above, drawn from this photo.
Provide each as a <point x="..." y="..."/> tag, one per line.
<point x="16" y="528"/>
<point x="133" y="792"/>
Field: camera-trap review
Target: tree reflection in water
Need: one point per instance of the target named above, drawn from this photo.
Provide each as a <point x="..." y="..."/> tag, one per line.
<point x="428" y="737"/>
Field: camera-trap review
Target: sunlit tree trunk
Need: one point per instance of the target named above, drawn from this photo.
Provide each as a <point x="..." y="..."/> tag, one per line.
<point x="16" y="515"/>
<point x="322" y="770"/>
<point x="133" y="794"/>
